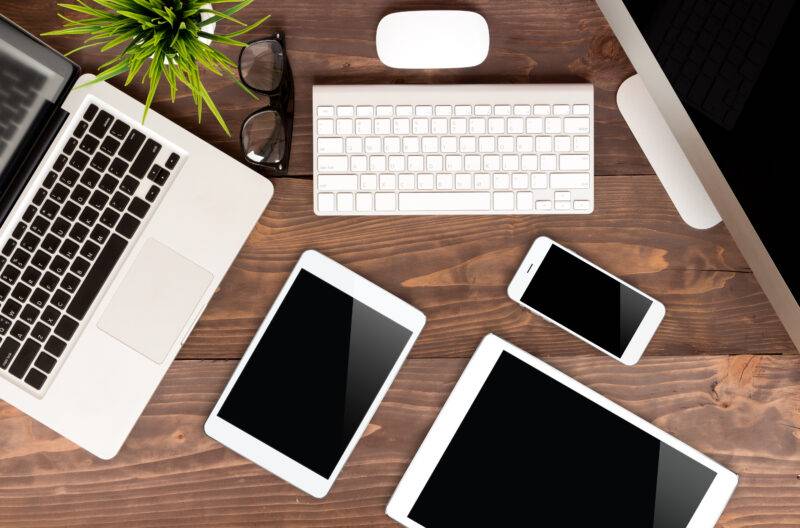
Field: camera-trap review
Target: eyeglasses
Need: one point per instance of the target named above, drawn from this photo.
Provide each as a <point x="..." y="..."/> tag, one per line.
<point x="266" y="135"/>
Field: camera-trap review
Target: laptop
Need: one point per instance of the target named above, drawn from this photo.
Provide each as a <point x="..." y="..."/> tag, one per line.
<point x="113" y="237"/>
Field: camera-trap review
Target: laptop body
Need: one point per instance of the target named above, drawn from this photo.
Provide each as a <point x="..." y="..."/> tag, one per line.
<point x="114" y="237"/>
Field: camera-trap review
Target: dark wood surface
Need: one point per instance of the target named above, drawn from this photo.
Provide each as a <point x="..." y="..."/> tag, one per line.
<point x="720" y="373"/>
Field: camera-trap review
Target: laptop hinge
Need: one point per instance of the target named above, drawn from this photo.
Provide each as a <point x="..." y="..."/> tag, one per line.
<point x="39" y="146"/>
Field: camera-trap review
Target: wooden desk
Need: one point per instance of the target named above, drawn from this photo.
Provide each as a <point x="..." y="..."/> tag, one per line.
<point x="719" y="373"/>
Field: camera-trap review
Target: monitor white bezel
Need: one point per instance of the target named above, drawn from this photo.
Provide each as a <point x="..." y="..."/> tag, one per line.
<point x="464" y="394"/>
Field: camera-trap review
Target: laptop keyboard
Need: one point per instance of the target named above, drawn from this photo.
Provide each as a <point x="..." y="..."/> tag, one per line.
<point x="77" y="226"/>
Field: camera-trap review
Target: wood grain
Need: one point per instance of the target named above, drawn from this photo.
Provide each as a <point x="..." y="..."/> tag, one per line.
<point x="334" y="42"/>
<point x="456" y="270"/>
<point x="741" y="411"/>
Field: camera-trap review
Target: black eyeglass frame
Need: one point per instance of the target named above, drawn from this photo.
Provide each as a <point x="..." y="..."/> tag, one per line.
<point x="281" y="101"/>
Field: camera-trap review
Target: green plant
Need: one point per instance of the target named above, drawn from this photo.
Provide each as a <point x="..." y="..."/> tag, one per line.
<point x="165" y="32"/>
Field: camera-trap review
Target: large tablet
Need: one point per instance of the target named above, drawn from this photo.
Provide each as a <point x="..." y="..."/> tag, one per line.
<point x="314" y="373"/>
<point x="519" y="443"/>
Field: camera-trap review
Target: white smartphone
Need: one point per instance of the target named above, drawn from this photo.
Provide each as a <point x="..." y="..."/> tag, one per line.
<point x="586" y="301"/>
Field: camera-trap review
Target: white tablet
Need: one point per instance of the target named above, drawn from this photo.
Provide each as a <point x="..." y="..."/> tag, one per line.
<point x="315" y="373"/>
<point x="519" y="443"/>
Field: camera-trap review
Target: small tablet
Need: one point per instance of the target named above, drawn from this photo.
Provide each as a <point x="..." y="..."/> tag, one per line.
<point x="519" y="443"/>
<point x="314" y="373"/>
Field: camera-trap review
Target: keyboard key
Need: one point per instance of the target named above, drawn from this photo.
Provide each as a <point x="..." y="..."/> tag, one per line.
<point x="109" y="146"/>
<point x="158" y="175"/>
<point x="24" y="358"/>
<point x="66" y="328"/>
<point x="69" y="177"/>
<point x="39" y="298"/>
<point x="50" y="315"/>
<point x="131" y="145"/>
<point x="40" y="225"/>
<point x="19" y="331"/>
<point x="5" y="289"/>
<point x="100" y="161"/>
<point x="31" y="276"/>
<point x="129" y="185"/>
<point x="96" y="277"/>
<point x="40" y="332"/>
<point x="59" y="193"/>
<point x="51" y="243"/>
<point x="99" y="234"/>
<point x="11" y="308"/>
<point x="89" y="144"/>
<point x="68" y="248"/>
<point x="59" y="265"/>
<point x="138" y="207"/>
<point x="98" y="200"/>
<point x="91" y="111"/>
<point x="145" y="158"/>
<point x="78" y="232"/>
<point x="60" y="227"/>
<point x="5" y="324"/>
<point x="569" y="180"/>
<point x="109" y="217"/>
<point x="69" y="148"/>
<point x="8" y="350"/>
<point x="456" y="201"/>
<point x="30" y="212"/>
<point x="332" y="163"/>
<point x="79" y="267"/>
<point x="49" y="209"/>
<point x="60" y="299"/>
<point x="80" y="194"/>
<point x="61" y="160"/>
<point x="118" y="167"/>
<point x="40" y="259"/>
<point x="172" y="161"/>
<point x="79" y="160"/>
<point x="344" y="202"/>
<point x="152" y="193"/>
<point x="49" y="281"/>
<point x="45" y="363"/>
<point x="80" y="129"/>
<point x="21" y="292"/>
<point x="108" y="183"/>
<point x="339" y="182"/>
<point x="9" y="246"/>
<point x="101" y="124"/>
<point x="29" y="314"/>
<point x="119" y="129"/>
<point x="55" y="346"/>
<point x="39" y="197"/>
<point x="35" y="379"/>
<point x="70" y="283"/>
<point x="88" y="216"/>
<point x="10" y="274"/>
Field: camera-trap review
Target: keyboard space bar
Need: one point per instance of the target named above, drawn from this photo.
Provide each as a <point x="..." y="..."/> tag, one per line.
<point x="97" y="276"/>
<point x="445" y="201"/>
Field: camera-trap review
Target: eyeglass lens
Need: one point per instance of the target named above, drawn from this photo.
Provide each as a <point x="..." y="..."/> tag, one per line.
<point x="261" y="65"/>
<point x="263" y="137"/>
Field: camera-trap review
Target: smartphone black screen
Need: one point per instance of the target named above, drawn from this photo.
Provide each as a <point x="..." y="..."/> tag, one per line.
<point x="586" y="300"/>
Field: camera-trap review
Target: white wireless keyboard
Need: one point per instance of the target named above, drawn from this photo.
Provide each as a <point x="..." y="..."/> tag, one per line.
<point x="453" y="149"/>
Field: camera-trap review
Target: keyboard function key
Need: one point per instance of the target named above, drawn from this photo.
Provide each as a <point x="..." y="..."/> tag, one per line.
<point x="119" y="129"/>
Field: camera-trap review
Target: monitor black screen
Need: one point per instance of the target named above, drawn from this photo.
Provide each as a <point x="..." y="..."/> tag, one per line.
<point x="732" y="64"/>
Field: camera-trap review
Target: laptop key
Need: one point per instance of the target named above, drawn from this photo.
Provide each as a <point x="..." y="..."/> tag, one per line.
<point x="98" y="200"/>
<point x="49" y="209"/>
<point x="172" y="161"/>
<point x="91" y="111"/>
<point x="101" y="124"/>
<point x="39" y="298"/>
<point x="127" y="226"/>
<point x="129" y="185"/>
<point x="78" y="232"/>
<point x="69" y="176"/>
<point x="31" y="276"/>
<point x="39" y="197"/>
<point x="89" y="144"/>
<point x="152" y="193"/>
<point x="35" y="379"/>
<point x="49" y="282"/>
<point x="60" y="227"/>
<point x="10" y="274"/>
<point x="51" y="243"/>
<point x="100" y="161"/>
<point x="59" y="265"/>
<point x="55" y="346"/>
<point x="70" y="283"/>
<point x="119" y="201"/>
<point x="61" y="160"/>
<point x="30" y="212"/>
<point x="96" y="276"/>
<point x="89" y="217"/>
<point x="60" y="299"/>
<point x="118" y="167"/>
<point x="40" y="332"/>
<point x="40" y="259"/>
<point x="119" y="129"/>
<point x="8" y="249"/>
<point x="5" y="289"/>
<point x="21" y="292"/>
<point x="145" y="158"/>
<point x="24" y="358"/>
<point x="66" y="328"/>
<point x="131" y="145"/>
<point x="30" y="242"/>
<point x="79" y="266"/>
<point x="45" y="363"/>
<point x="19" y="230"/>
<point x="90" y="178"/>
<point x="40" y="225"/>
<point x="59" y="193"/>
<point x="29" y="314"/>
<point x="108" y="183"/>
<point x="7" y="351"/>
<point x="20" y="258"/>
<point x="99" y="233"/>
<point x="109" y="217"/>
<point x="79" y="160"/>
<point x="70" y="211"/>
<point x="138" y="207"/>
<point x="90" y="250"/>
<point x="11" y="308"/>
<point x="80" y="194"/>
<point x="50" y="315"/>
<point x="109" y="146"/>
<point x="19" y="330"/>
<point x="80" y="129"/>
<point x="69" y="148"/>
<point x="68" y="248"/>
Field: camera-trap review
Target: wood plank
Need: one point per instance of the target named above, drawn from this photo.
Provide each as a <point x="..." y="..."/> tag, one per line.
<point x="532" y="42"/>
<point x="456" y="270"/>
<point x="741" y="411"/>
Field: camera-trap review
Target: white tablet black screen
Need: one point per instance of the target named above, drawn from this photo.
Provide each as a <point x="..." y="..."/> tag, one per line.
<point x="314" y="373"/>
<point x="533" y="452"/>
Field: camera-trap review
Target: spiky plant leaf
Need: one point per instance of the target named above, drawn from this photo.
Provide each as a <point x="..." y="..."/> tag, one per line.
<point x="167" y="33"/>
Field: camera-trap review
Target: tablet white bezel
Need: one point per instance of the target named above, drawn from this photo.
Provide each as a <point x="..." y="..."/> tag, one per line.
<point x="360" y="289"/>
<point x="467" y="389"/>
<point x="640" y="339"/>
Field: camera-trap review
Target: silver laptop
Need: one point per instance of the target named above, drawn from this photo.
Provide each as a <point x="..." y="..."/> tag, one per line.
<point x="114" y="236"/>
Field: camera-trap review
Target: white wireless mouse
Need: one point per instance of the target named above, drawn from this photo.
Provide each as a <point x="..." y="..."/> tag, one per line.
<point x="432" y="39"/>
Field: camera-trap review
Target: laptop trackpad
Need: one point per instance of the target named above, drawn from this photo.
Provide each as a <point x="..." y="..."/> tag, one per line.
<point x="155" y="300"/>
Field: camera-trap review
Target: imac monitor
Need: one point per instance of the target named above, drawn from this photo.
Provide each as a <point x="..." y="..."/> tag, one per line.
<point x="717" y="79"/>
